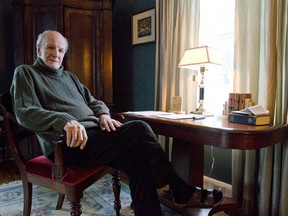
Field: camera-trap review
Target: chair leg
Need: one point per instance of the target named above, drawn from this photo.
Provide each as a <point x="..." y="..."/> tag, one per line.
<point x="27" y="195"/>
<point x="116" y="189"/>
<point x="75" y="209"/>
<point x="60" y="201"/>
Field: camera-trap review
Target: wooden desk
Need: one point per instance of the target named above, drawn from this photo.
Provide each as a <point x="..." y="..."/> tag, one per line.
<point x="190" y="136"/>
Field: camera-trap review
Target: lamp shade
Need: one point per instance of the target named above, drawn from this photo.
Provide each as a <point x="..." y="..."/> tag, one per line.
<point x="200" y="56"/>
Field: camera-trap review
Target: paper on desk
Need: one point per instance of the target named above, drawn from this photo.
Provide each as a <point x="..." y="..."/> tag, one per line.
<point x="182" y="116"/>
<point x="148" y="113"/>
<point x="166" y="115"/>
<point x="253" y="110"/>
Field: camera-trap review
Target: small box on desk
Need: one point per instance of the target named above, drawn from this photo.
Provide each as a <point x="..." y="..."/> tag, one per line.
<point x="249" y="119"/>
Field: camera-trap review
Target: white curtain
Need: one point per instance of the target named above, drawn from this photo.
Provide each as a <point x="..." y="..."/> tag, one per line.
<point x="259" y="178"/>
<point x="178" y="27"/>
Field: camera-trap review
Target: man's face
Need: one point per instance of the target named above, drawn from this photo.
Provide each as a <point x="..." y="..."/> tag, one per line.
<point x="52" y="50"/>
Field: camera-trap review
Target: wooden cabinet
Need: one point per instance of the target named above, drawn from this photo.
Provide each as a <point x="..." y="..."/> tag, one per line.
<point x="87" y="24"/>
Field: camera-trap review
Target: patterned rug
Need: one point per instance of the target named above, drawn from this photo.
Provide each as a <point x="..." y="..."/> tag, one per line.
<point x="97" y="200"/>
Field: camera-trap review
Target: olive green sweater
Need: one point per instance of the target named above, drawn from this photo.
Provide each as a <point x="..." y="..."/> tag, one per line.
<point x="45" y="98"/>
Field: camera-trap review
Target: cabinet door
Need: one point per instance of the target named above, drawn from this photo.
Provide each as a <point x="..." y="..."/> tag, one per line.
<point x="29" y="25"/>
<point x="87" y="54"/>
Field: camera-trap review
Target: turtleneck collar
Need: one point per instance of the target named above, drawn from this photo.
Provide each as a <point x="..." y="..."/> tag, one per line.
<point x="55" y="72"/>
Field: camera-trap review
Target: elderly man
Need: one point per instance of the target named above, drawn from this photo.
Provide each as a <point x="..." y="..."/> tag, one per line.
<point x="46" y="96"/>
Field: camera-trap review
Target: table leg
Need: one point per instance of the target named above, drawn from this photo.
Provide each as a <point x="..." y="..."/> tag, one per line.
<point x="188" y="160"/>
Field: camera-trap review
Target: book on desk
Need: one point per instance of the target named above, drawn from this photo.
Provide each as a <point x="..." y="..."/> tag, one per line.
<point x="249" y="119"/>
<point x="255" y="115"/>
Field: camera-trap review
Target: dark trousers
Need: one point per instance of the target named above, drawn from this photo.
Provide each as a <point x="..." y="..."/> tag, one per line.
<point x="132" y="148"/>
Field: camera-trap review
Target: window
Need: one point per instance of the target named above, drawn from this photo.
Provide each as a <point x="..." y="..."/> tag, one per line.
<point x="217" y="30"/>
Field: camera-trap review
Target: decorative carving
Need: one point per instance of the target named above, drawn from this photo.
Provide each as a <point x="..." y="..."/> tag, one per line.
<point x="75" y="209"/>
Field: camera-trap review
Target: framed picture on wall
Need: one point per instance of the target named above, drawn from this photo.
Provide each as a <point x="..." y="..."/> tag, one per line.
<point x="143" y="27"/>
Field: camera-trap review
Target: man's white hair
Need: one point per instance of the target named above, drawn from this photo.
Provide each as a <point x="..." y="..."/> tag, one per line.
<point x="43" y="35"/>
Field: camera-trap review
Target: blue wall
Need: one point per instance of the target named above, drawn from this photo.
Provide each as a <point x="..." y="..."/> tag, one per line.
<point x="133" y="66"/>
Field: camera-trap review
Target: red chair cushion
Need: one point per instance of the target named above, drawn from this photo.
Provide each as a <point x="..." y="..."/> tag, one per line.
<point x="42" y="166"/>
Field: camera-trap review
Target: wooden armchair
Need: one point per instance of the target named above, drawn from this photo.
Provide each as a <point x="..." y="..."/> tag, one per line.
<point x="66" y="180"/>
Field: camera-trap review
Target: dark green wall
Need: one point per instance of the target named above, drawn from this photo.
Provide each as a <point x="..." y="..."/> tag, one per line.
<point x="133" y="66"/>
<point x="222" y="163"/>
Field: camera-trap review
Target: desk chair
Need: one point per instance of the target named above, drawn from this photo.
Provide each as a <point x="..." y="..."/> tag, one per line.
<point x="66" y="180"/>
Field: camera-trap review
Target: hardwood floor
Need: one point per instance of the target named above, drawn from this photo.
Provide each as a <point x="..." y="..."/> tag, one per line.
<point x="8" y="172"/>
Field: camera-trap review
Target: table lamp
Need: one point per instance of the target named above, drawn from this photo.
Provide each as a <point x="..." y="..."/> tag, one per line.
<point x="200" y="56"/>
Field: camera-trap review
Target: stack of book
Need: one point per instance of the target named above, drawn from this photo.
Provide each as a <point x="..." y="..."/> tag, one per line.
<point x="255" y="115"/>
<point x="239" y="101"/>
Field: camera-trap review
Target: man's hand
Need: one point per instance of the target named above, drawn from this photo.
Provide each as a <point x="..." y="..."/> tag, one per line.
<point x="106" y="123"/>
<point x="75" y="134"/>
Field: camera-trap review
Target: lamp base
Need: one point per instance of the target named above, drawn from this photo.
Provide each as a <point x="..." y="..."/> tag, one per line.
<point x="206" y="114"/>
<point x="198" y="111"/>
<point x="202" y="112"/>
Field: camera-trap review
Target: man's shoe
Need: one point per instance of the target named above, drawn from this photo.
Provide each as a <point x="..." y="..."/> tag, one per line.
<point x="202" y="198"/>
